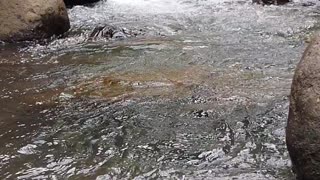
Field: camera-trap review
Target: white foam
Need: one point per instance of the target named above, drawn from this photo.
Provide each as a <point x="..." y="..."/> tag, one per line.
<point x="149" y="6"/>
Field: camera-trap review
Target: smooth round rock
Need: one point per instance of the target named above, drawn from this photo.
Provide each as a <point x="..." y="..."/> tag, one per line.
<point x="303" y="128"/>
<point x="22" y="20"/>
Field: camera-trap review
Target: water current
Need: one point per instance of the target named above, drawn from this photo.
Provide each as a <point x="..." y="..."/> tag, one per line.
<point x="200" y="92"/>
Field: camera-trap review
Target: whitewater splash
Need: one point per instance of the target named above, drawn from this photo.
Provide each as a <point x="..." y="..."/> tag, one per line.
<point x="109" y="11"/>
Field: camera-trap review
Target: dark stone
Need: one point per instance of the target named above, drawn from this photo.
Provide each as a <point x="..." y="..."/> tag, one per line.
<point x="111" y="32"/>
<point x="303" y="128"/>
<point x="70" y="3"/>
<point x="269" y="2"/>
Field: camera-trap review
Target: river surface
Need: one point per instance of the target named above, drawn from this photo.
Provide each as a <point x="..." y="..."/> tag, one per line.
<point x="201" y="92"/>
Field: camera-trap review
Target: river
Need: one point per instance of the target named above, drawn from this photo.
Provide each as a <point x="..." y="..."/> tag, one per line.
<point x="201" y="92"/>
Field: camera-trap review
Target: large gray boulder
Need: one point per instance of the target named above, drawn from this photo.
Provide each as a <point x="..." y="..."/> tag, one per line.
<point x="32" y="19"/>
<point x="303" y="128"/>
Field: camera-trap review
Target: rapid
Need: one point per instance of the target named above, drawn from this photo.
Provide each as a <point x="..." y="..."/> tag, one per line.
<point x="200" y="92"/>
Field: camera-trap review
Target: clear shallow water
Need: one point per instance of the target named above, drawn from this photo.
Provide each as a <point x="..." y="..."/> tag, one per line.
<point x="200" y="93"/>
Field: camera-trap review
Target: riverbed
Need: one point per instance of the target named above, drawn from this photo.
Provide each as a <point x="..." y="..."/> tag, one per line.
<point x="201" y="92"/>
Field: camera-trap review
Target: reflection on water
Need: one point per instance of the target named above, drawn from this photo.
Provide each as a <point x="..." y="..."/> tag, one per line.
<point x="200" y="93"/>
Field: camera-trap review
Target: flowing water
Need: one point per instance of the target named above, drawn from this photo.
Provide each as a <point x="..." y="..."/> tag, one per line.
<point x="201" y="92"/>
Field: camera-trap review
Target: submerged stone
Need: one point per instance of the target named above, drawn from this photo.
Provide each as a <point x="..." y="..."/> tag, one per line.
<point x="303" y="128"/>
<point x="111" y="32"/>
<point x="269" y="2"/>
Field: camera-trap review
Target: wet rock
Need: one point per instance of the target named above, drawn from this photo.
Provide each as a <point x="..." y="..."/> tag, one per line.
<point x="71" y="3"/>
<point x="308" y="4"/>
<point x="303" y="128"/>
<point x="200" y="114"/>
<point x="269" y="2"/>
<point x="111" y="32"/>
<point x="32" y="19"/>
